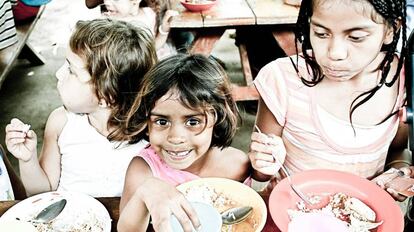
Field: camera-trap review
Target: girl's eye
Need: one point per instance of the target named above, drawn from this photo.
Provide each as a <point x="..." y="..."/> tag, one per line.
<point x="356" y="38"/>
<point x="192" y="122"/>
<point x="161" y="122"/>
<point x="321" y="35"/>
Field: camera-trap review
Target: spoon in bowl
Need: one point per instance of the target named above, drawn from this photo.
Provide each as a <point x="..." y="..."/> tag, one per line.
<point x="236" y="215"/>
<point x="50" y="212"/>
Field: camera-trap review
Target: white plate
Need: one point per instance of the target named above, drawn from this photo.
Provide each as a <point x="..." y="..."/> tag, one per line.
<point x="81" y="213"/>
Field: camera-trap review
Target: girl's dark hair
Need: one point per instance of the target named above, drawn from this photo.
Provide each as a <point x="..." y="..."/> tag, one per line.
<point x="393" y="14"/>
<point x="201" y="84"/>
<point x="117" y="55"/>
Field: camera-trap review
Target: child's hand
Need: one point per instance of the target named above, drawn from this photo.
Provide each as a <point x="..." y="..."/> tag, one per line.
<point x="260" y="153"/>
<point x="163" y="200"/>
<point x="165" y="24"/>
<point x="20" y="140"/>
<point x="405" y="172"/>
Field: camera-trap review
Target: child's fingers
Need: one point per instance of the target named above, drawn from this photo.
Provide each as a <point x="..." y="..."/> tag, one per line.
<point x="396" y="195"/>
<point x="264" y="157"/>
<point x="17" y="125"/>
<point x="14" y="136"/>
<point x="263" y="164"/>
<point x="14" y="141"/>
<point x="259" y="137"/>
<point x="189" y="210"/>
<point x="183" y="218"/>
<point x="16" y="121"/>
<point x="165" y="225"/>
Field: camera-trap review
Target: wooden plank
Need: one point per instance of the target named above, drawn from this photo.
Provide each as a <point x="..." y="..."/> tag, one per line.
<point x="9" y="55"/>
<point x="273" y="12"/>
<point x="244" y="59"/>
<point x="286" y="40"/>
<point x="185" y="19"/>
<point x="244" y="93"/>
<point x="112" y="205"/>
<point x="205" y="40"/>
<point x="228" y="13"/>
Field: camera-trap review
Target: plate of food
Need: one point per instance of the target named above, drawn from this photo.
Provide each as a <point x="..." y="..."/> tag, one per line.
<point x="81" y="213"/>
<point x="225" y="194"/>
<point x="355" y="204"/>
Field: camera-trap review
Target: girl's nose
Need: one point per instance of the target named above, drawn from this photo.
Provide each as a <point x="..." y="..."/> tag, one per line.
<point x="337" y="50"/>
<point x="176" y="134"/>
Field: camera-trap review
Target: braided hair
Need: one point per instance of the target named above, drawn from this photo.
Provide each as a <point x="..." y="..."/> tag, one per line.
<point x="393" y="13"/>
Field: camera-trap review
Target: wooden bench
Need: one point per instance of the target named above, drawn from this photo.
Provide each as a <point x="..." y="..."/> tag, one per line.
<point x="21" y="49"/>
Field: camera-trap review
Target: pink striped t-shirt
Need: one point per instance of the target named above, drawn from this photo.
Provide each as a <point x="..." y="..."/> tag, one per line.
<point x="314" y="138"/>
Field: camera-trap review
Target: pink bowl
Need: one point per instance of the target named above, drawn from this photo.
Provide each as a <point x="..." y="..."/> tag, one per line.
<point x="330" y="181"/>
<point x="197" y="7"/>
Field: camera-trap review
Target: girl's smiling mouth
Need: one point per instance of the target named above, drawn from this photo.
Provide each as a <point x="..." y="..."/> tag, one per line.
<point x="177" y="155"/>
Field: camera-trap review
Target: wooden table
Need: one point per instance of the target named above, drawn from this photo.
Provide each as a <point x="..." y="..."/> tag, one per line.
<point x="237" y="14"/>
<point x="110" y="203"/>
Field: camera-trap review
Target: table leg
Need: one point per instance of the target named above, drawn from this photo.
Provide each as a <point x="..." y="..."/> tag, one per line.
<point x="205" y="41"/>
<point x="286" y="40"/>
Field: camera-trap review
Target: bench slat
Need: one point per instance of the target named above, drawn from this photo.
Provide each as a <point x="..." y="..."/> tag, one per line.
<point x="9" y="55"/>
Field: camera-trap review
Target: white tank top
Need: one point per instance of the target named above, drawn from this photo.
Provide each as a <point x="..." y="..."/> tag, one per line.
<point x="90" y="163"/>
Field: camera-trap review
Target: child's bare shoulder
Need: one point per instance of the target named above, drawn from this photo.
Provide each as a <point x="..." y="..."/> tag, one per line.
<point x="56" y="121"/>
<point x="235" y="162"/>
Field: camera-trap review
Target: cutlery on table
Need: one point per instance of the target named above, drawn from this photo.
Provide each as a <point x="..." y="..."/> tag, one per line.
<point x="50" y="212"/>
<point x="236" y="215"/>
<point x="310" y="204"/>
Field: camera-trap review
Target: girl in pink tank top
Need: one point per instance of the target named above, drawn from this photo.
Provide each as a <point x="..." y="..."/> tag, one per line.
<point x="186" y="112"/>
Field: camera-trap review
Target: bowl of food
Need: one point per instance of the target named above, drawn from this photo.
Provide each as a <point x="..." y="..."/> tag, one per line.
<point x="81" y="213"/>
<point x="356" y="204"/>
<point x="198" y="5"/>
<point x="224" y="194"/>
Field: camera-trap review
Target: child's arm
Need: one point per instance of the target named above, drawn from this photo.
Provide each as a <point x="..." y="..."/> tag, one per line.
<point x="144" y="195"/>
<point x="399" y="157"/>
<point x="261" y="146"/>
<point x="37" y="176"/>
<point x="164" y="28"/>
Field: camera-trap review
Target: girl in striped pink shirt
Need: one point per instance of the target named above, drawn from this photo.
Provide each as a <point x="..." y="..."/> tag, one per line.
<point x="335" y="105"/>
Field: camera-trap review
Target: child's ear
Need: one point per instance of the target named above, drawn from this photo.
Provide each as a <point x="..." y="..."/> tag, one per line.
<point x="389" y="34"/>
<point x="103" y="104"/>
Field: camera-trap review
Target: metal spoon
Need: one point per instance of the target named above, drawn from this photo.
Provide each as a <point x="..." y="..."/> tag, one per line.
<point x="50" y="212"/>
<point x="299" y="193"/>
<point x="236" y="215"/>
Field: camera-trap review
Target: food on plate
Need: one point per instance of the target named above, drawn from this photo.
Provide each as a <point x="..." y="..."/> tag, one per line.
<point x="82" y="213"/>
<point x="222" y="202"/>
<point x="356" y="214"/>
<point x="80" y="221"/>
<point x="16" y="226"/>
